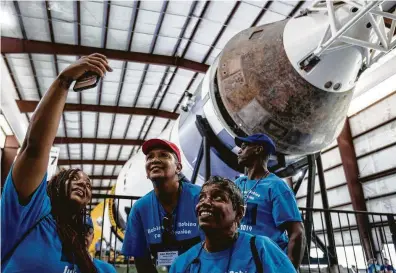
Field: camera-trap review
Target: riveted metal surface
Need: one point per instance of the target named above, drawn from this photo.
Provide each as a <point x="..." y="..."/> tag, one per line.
<point x="264" y="94"/>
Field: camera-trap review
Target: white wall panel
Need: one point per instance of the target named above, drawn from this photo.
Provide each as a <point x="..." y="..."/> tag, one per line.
<point x="75" y="151"/>
<point x="128" y="94"/>
<point x="141" y="42"/>
<point x="379" y="186"/>
<point x="91" y="36"/>
<point x="335" y="197"/>
<point x="120" y="124"/>
<point x="120" y="17"/>
<point x="377" y="162"/>
<point x="72" y="124"/>
<point x="89" y="124"/>
<point x="135" y="126"/>
<point x="384" y="205"/>
<point x="331" y="158"/>
<point x="64" y="33"/>
<point x="10" y="28"/>
<point x="117" y="169"/>
<point x="104" y="125"/>
<point x="36" y="29"/>
<point x="125" y="152"/>
<point x="101" y="151"/>
<point x="92" y="13"/>
<point x="88" y="151"/>
<point x="113" y="152"/>
<point x="378" y="138"/>
<point x="333" y="178"/>
<point x="88" y="169"/>
<point x="381" y="112"/>
<point x="109" y="93"/>
<point x="117" y="39"/>
<point x="96" y="182"/>
<point x="62" y="151"/>
<point x="98" y="169"/>
<point x="108" y="170"/>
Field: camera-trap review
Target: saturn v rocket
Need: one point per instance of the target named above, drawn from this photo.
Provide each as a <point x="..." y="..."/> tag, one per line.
<point x="293" y="80"/>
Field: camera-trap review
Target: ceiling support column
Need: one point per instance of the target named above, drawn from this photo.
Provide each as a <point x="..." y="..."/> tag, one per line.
<point x="351" y="170"/>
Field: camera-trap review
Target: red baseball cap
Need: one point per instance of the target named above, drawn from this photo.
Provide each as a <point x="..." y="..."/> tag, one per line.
<point x="160" y="143"/>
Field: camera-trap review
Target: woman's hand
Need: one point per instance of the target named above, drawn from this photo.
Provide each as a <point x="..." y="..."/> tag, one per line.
<point x="96" y="63"/>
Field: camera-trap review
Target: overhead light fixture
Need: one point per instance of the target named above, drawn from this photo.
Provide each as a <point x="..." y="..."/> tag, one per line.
<point x="5" y="126"/>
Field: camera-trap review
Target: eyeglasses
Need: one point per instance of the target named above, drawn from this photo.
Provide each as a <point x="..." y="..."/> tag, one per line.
<point x="168" y="235"/>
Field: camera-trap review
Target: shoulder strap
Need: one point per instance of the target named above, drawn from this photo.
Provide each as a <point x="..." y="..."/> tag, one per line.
<point x="257" y="261"/>
<point x="9" y="253"/>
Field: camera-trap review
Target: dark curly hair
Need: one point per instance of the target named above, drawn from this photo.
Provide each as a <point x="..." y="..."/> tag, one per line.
<point x="234" y="193"/>
<point x="70" y="227"/>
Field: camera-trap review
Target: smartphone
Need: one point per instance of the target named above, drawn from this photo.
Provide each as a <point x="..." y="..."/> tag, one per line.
<point x="86" y="81"/>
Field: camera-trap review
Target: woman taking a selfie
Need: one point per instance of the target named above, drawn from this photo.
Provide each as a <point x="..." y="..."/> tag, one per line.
<point x="42" y="224"/>
<point x="219" y="211"/>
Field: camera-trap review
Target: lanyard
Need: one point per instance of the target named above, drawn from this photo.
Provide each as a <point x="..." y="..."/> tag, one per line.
<point x="173" y="212"/>
<point x="246" y="197"/>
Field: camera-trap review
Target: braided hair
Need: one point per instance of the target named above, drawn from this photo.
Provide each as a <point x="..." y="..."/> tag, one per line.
<point x="70" y="226"/>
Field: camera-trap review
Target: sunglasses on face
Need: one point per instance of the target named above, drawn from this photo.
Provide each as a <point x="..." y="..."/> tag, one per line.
<point x="168" y="234"/>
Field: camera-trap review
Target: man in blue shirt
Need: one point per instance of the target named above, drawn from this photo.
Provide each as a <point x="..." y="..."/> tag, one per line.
<point x="162" y="224"/>
<point x="271" y="208"/>
<point x="101" y="266"/>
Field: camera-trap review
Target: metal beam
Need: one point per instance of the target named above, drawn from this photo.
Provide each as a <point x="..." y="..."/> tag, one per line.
<point x="115" y="141"/>
<point x="351" y="170"/>
<point x="378" y="175"/>
<point x="112" y="177"/>
<point x="327" y="215"/>
<point x="261" y="14"/>
<point x="28" y="106"/>
<point x="91" y="162"/>
<point x="310" y="199"/>
<point x="296" y="8"/>
<point x="15" y="45"/>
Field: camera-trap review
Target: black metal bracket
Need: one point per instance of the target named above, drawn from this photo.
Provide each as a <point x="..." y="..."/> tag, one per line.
<point x="224" y="153"/>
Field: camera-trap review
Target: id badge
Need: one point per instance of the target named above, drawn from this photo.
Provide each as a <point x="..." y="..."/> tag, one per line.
<point x="166" y="258"/>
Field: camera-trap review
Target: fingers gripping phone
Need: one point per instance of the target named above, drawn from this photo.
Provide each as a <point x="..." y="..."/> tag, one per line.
<point x="86" y="81"/>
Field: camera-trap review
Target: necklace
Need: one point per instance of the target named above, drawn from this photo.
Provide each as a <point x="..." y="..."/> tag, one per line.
<point x="246" y="197"/>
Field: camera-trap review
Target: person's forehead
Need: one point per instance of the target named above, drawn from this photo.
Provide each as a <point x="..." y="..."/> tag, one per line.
<point x="248" y="144"/>
<point x="213" y="188"/>
<point x="159" y="149"/>
<point x="82" y="175"/>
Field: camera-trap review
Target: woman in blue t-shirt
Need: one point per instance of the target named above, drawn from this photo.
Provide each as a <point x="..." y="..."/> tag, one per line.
<point x="42" y="225"/>
<point x="220" y="210"/>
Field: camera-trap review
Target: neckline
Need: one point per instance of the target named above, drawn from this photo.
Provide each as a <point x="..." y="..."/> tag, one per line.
<point x="174" y="211"/>
<point x="223" y="253"/>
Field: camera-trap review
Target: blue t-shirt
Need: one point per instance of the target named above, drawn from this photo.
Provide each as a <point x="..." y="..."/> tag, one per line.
<point x="270" y="204"/>
<point x="241" y="260"/>
<point x="144" y="227"/>
<point x="41" y="250"/>
<point x="104" y="267"/>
